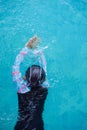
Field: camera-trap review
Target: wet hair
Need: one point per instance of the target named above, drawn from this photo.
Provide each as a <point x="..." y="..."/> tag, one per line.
<point x="35" y="75"/>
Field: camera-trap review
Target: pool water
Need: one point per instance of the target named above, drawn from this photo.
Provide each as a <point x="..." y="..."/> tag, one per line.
<point x="62" y="25"/>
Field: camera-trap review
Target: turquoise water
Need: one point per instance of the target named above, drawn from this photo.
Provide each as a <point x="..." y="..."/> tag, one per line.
<point x="62" y="25"/>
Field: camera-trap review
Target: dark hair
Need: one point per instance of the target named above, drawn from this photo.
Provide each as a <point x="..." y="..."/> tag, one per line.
<point x="35" y="75"/>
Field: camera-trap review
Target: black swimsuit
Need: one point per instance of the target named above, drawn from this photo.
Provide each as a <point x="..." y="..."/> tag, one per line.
<point x="31" y="106"/>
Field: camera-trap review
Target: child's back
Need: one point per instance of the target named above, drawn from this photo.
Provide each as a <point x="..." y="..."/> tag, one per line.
<point x="31" y="105"/>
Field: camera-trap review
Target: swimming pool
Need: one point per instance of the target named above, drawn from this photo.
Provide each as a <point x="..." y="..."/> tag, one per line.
<point x="62" y="25"/>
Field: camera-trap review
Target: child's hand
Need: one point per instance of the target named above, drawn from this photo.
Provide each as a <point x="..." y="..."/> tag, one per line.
<point x="33" y="42"/>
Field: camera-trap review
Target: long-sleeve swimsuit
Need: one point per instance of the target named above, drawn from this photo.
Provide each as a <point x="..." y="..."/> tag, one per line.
<point x="30" y="101"/>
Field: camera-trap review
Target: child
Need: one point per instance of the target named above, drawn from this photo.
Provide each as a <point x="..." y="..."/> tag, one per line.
<point x="30" y="90"/>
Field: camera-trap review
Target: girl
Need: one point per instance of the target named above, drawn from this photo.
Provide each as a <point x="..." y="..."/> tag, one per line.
<point x="30" y="90"/>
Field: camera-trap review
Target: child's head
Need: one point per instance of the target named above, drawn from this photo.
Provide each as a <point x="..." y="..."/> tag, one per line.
<point x="35" y="75"/>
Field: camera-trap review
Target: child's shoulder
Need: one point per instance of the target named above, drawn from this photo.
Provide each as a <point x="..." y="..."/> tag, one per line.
<point x="44" y="89"/>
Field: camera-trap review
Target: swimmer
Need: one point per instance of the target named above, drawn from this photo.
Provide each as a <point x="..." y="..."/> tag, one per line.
<point x="30" y="89"/>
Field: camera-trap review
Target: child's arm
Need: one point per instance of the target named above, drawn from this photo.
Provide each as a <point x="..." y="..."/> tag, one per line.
<point x="41" y="58"/>
<point x="42" y="62"/>
<point x="17" y="76"/>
